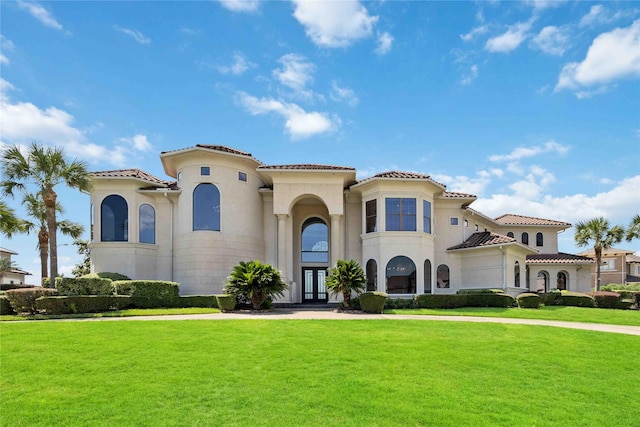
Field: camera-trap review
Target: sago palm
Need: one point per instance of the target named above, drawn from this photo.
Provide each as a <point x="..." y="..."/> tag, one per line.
<point x="598" y="231"/>
<point x="256" y="281"/>
<point x="345" y="278"/>
<point x="44" y="168"/>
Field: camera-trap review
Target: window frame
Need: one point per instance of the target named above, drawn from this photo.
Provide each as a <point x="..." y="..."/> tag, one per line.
<point x="118" y="221"/>
<point x="539" y="239"/>
<point x="371" y="227"/>
<point x="217" y="209"/>
<point x="153" y="211"/>
<point x="426" y="219"/>
<point x="403" y="217"/>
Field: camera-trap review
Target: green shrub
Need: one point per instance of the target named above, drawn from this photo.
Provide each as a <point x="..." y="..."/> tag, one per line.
<point x="577" y="299"/>
<point x="71" y="286"/>
<point x="46" y="282"/>
<point x="187" y="301"/>
<point x="107" y="275"/>
<point x="625" y="304"/>
<point x="23" y="301"/>
<point x="529" y="300"/>
<point x="5" y="306"/>
<point x="605" y="299"/>
<point x="9" y="286"/>
<point x="489" y="300"/>
<point x="636" y="297"/>
<point x="616" y="287"/>
<point x="354" y="304"/>
<point x="226" y="302"/>
<point x="373" y="302"/>
<point x="393" y="303"/>
<point x="440" y="301"/>
<point x="480" y="291"/>
<point x="551" y="298"/>
<point x="256" y="281"/>
<point x="81" y="304"/>
<point x="148" y="293"/>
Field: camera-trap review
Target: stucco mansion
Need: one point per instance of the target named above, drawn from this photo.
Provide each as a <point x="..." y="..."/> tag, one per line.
<point x="410" y="234"/>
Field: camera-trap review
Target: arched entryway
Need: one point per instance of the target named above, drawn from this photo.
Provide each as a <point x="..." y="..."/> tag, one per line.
<point x="314" y="258"/>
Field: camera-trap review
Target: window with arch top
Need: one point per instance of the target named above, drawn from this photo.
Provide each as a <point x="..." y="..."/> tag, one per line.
<point x="401" y="276"/>
<point x="147" y="224"/>
<point x="539" y="239"/>
<point x="114" y="219"/>
<point x="372" y="275"/>
<point x="525" y="238"/>
<point x="206" y="207"/>
<point x="315" y="241"/>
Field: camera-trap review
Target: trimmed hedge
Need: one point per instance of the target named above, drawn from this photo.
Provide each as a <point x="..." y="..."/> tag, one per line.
<point x="605" y="299"/>
<point x="23" y="301"/>
<point x="373" y="302"/>
<point x="10" y="286"/>
<point x="440" y="301"/>
<point x="108" y="275"/>
<point x="187" y="301"/>
<point x="577" y="299"/>
<point x="551" y="298"/>
<point x="393" y="303"/>
<point x="148" y="293"/>
<point x="72" y="286"/>
<point x="81" y="304"/>
<point x="624" y="304"/>
<point x="5" y="306"/>
<point x="226" y="302"/>
<point x="480" y="291"/>
<point x="529" y="300"/>
<point x="489" y="300"/>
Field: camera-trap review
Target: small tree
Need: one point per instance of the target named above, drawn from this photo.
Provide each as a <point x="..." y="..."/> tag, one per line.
<point x="256" y="281"/>
<point x="346" y="277"/>
<point x="6" y="266"/>
<point x="603" y="236"/>
<point x="84" y="266"/>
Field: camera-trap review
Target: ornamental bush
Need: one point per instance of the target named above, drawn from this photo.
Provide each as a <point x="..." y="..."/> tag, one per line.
<point x="23" y="301"/>
<point x="489" y="300"/>
<point x="624" y="304"/>
<point x="529" y="300"/>
<point x="226" y="302"/>
<point x="440" y="301"/>
<point x="148" y="293"/>
<point x="256" y="281"/>
<point x="71" y="286"/>
<point x="480" y="291"/>
<point x="577" y="299"/>
<point x="393" y="303"/>
<point x="551" y="298"/>
<point x="187" y="301"/>
<point x="605" y="299"/>
<point x="81" y="304"/>
<point x="373" y="302"/>
<point x="5" y="306"/>
<point x="108" y="275"/>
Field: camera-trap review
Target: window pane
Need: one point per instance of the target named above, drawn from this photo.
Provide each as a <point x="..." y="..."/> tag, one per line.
<point x="409" y="223"/>
<point x="443" y="276"/>
<point x="315" y="237"/>
<point x="372" y="275"/>
<point x="408" y="206"/>
<point x="393" y="222"/>
<point x="392" y="206"/>
<point x="114" y="216"/>
<point x="427" y="276"/>
<point x="147" y="224"/>
<point x="525" y="238"/>
<point x="371" y="208"/>
<point x="426" y="216"/>
<point x="539" y="240"/>
<point x="205" y="170"/>
<point x="401" y="276"/>
<point x="206" y="207"/>
<point x="242" y="176"/>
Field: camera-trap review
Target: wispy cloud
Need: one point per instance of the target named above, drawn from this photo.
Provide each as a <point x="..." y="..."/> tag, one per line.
<point x="240" y="5"/>
<point x="524" y="152"/>
<point x="6" y="45"/>
<point x="476" y="31"/>
<point x="138" y="142"/>
<point x="41" y="14"/>
<point x="511" y="39"/>
<point x="239" y="66"/>
<point x="343" y="94"/>
<point x="135" y="34"/>
<point x="296" y="73"/>
<point x="468" y="78"/>
<point x="551" y="40"/>
<point x="385" y="40"/>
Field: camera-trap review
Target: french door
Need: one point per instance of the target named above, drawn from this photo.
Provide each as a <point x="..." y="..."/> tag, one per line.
<point x="313" y="287"/>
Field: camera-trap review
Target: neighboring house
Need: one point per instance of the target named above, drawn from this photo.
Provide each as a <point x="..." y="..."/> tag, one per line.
<point x="16" y="275"/>
<point x="411" y="235"/>
<point x="617" y="266"/>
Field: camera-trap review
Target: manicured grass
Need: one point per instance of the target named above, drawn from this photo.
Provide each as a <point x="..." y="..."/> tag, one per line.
<point x="119" y="313"/>
<point x="568" y="314"/>
<point x="314" y="373"/>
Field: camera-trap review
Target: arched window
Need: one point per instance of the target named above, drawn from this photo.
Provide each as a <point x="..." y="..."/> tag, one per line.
<point x="315" y="237"/>
<point x="510" y="234"/>
<point x="147" y="224"/>
<point x="562" y="282"/>
<point x="516" y="274"/>
<point x="525" y="238"/>
<point x="114" y="218"/>
<point x="206" y="207"/>
<point x="542" y="282"/>
<point x="539" y="239"/>
<point x="442" y="276"/>
<point x="427" y="276"/>
<point x="401" y="276"/>
<point x="372" y="275"/>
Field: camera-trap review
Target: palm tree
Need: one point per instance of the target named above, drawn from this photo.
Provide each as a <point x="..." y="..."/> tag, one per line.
<point x="598" y="231"/>
<point x="346" y="277"/>
<point x="35" y="209"/>
<point x="44" y="167"/>
<point x="9" y="222"/>
<point x="256" y="281"/>
<point x="633" y="231"/>
<point x="6" y="266"/>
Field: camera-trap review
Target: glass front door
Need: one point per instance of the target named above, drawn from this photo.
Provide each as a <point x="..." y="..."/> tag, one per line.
<point x="313" y="287"/>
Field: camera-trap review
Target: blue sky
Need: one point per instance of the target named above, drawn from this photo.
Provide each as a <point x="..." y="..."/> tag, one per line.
<point x="532" y="106"/>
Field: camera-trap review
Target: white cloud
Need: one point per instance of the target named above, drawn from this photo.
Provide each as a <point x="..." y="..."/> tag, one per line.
<point x="240" y="5"/>
<point x="296" y="73"/>
<point x="511" y="39"/>
<point x="598" y="14"/>
<point x="5" y="45"/>
<point x="334" y="23"/>
<point x="135" y="34"/>
<point x="385" y="40"/>
<point x="540" y="5"/>
<point x="477" y="31"/>
<point x="40" y="13"/>
<point x="595" y="14"/>
<point x="524" y="152"/>
<point x="613" y="55"/>
<point x="298" y="123"/>
<point x="240" y="65"/>
<point x="551" y="40"/>
<point x="468" y="78"/>
<point x="138" y="142"/>
<point x="343" y="94"/>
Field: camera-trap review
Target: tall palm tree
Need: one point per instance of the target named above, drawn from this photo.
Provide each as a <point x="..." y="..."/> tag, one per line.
<point x="598" y="231"/>
<point x="35" y="208"/>
<point x="633" y="231"/>
<point x="44" y="167"/>
<point x="9" y="222"/>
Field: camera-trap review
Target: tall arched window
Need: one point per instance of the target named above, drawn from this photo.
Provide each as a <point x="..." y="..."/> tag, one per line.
<point x="525" y="238"/>
<point x="539" y="239"/>
<point x="401" y="276"/>
<point x="372" y="275"/>
<point x="442" y="276"/>
<point x="114" y="219"/>
<point x="206" y="207"/>
<point x="427" y="276"/>
<point x="516" y="275"/>
<point x="315" y="238"/>
<point x="542" y="281"/>
<point x="510" y="234"/>
<point x="562" y="282"/>
<point x="147" y="222"/>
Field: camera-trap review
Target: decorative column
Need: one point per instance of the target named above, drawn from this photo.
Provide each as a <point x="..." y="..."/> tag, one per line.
<point x="336" y="253"/>
<point x="282" y="242"/>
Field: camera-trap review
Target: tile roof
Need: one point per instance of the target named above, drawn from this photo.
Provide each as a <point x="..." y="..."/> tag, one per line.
<point x="483" y="238"/>
<point x="306" y="166"/>
<point x="129" y="173"/>
<point x="512" y="219"/>
<point x="402" y="175"/>
<point x="608" y="252"/>
<point x="559" y="258"/>
<point x="454" y="195"/>
<point x="221" y="148"/>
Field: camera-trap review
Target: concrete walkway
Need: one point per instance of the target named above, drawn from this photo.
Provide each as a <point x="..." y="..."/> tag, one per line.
<point x="328" y="314"/>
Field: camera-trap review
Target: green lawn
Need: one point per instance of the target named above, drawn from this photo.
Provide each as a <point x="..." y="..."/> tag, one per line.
<point x="120" y="313"/>
<point x="314" y="372"/>
<point x="568" y="314"/>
